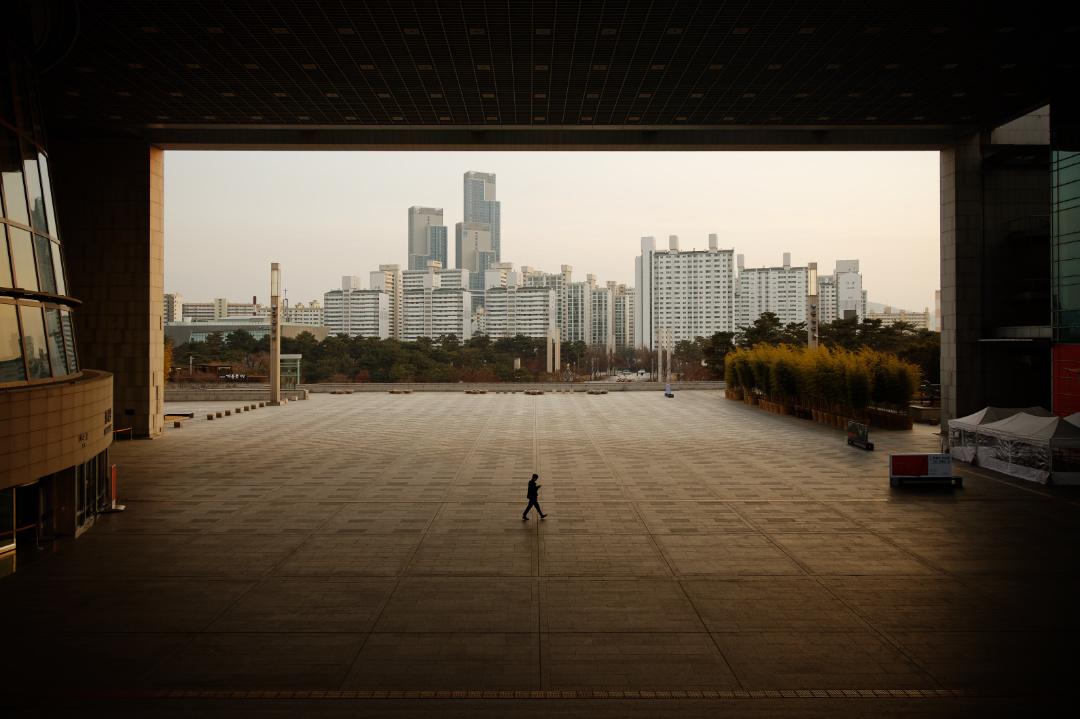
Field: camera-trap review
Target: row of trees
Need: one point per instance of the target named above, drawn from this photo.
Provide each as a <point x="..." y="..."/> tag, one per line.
<point x="340" y="358"/>
<point x="833" y="379"/>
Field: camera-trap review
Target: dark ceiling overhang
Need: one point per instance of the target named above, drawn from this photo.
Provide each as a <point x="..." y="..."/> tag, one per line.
<point x="463" y="75"/>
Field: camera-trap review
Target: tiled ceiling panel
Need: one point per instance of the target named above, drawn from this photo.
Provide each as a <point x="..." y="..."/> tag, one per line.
<point x="139" y="63"/>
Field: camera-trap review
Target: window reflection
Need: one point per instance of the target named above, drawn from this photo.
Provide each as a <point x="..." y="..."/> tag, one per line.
<point x="46" y="188"/>
<point x="58" y="267"/>
<point x="69" y="341"/>
<point x="5" y="260"/>
<point x="22" y="256"/>
<point x="35" y="345"/>
<point x="46" y="276"/>
<point x="11" y="178"/>
<point x="33" y="187"/>
<point x="12" y="368"/>
<point x="56" y="342"/>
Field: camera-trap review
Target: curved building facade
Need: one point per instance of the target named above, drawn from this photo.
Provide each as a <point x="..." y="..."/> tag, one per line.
<point x="55" y="416"/>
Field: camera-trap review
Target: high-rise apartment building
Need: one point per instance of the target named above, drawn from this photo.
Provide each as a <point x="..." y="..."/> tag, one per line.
<point x="219" y="309"/>
<point x="431" y="310"/>
<point x="623" y="315"/>
<point x="482" y="207"/>
<point x="602" y="321"/>
<point x="560" y="282"/>
<point x="511" y="310"/>
<point x="311" y="314"/>
<point x="427" y="237"/>
<point x="780" y="290"/>
<point x="578" y="306"/>
<point x="890" y="316"/>
<point x="356" y="312"/>
<point x="475" y="253"/>
<point x="173" y="308"/>
<point x="388" y="279"/>
<point x="841" y="294"/>
<point x="689" y="292"/>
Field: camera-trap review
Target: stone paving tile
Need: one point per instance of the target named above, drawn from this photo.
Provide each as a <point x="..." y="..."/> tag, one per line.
<point x="756" y="604"/>
<point x="239" y="660"/>
<point x="463" y="517"/>
<point x="818" y="660"/>
<point x="919" y="603"/>
<point x="849" y="553"/>
<point x="278" y="518"/>
<point x="691" y="543"/>
<point x="794" y="517"/>
<point x="109" y="604"/>
<point x="171" y="517"/>
<point x="481" y="605"/>
<point x="220" y="555"/>
<point x="129" y="660"/>
<point x="282" y="604"/>
<point x="994" y="659"/>
<point x="472" y="555"/>
<point x="635" y="661"/>
<point x="348" y="555"/>
<point x="455" y="661"/>
<point x="593" y="518"/>
<point x="624" y="555"/>
<point x="374" y="517"/>
<point x="708" y="517"/>
<point x="616" y="606"/>
<point x="734" y="554"/>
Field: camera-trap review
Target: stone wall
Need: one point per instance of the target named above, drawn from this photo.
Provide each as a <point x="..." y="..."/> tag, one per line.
<point x="52" y="427"/>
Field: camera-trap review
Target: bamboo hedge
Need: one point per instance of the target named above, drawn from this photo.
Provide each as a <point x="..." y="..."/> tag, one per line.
<point x="856" y="384"/>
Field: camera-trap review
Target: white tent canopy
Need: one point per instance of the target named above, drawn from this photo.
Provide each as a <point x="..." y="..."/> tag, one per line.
<point x="1040" y="447"/>
<point x="964" y="431"/>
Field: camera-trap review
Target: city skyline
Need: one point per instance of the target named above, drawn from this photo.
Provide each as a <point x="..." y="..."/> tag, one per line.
<point x="320" y="217"/>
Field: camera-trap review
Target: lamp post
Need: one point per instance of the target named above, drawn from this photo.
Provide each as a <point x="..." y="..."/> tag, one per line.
<point x="811" y="305"/>
<point x="275" y="335"/>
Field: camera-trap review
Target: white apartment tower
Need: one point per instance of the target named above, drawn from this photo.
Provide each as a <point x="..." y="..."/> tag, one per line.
<point x="174" y="308"/>
<point x="781" y="290"/>
<point x="841" y="294"/>
<point x="431" y="310"/>
<point x="388" y="279"/>
<point x="689" y="292"/>
<point x="356" y="312"/>
<point x="603" y="315"/>
<point x="559" y="282"/>
<point x="623" y="315"/>
<point x="427" y="237"/>
<point x="311" y="314"/>
<point x="511" y="310"/>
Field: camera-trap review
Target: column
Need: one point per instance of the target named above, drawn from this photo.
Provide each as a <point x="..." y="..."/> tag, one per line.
<point x="110" y="200"/>
<point x="961" y="278"/>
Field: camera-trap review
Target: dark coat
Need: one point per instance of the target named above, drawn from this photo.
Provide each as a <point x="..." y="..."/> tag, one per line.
<point x="534" y="489"/>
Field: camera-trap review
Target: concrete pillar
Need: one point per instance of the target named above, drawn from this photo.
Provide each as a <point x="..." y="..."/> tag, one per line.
<point x="961" y="277"/>
<point x="110" y="199"/>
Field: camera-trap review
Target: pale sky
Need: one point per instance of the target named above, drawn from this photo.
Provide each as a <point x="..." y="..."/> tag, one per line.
<point x="322" y="215"/>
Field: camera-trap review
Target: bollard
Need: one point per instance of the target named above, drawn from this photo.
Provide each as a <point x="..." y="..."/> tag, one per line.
<point x="228" y="413"/>
<point x="262" y="404"/>
<point x="238" y="410"/>
<point x="209" y="416"/>
<point x="220" y="415"/>
<point x="245" y="408"/>
<point x="177" y="424"/>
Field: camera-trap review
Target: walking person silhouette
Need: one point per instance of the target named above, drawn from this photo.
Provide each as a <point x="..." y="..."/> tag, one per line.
<point x="534" y="492"/>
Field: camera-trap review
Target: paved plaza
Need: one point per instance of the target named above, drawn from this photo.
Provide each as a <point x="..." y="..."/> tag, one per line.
<point x="361" y="543"/>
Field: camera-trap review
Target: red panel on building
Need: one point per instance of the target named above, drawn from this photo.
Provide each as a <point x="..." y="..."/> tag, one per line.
<point x="1066" y="379"/>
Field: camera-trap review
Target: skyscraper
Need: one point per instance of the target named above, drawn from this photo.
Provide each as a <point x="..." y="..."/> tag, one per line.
<point x="481" y="206"/>
<point x="475" y="253"/>
<point x="427" y="237"/>
<point x="689" y="292"/>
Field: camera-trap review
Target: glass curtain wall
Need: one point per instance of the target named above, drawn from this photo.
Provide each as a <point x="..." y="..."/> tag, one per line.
<point x="37" y="336"/>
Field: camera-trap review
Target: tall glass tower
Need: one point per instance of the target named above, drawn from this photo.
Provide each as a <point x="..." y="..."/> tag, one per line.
<point x="427" y="237"/>
<point x="482" y="207"/>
